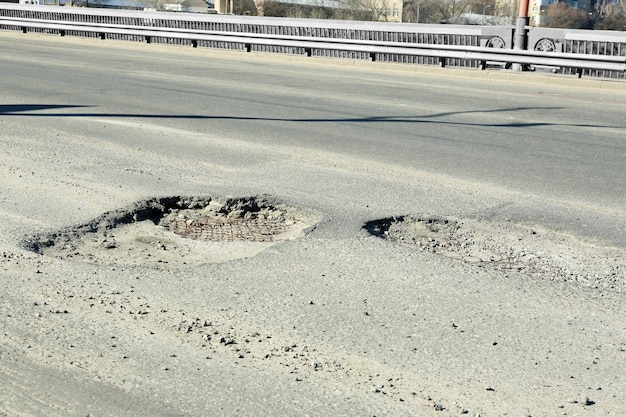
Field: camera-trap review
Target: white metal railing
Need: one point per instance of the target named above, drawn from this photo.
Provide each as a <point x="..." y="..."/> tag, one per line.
<point x="151" y="25"/>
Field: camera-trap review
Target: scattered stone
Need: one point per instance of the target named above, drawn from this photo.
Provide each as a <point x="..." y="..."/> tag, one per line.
<point x="228" y="341"/>
<point x="585" y="401"/>
<point x="438" y="407"/>
<point x="509" y="247"/>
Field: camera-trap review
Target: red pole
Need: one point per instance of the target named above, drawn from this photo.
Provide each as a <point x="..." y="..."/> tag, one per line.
<point x="523" y="8"/>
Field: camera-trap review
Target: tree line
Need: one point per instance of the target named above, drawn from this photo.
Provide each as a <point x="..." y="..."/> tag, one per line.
<point x="602" y="14"/>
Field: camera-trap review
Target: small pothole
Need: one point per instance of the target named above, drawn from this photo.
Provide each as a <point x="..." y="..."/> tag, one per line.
<point x="509" y="247"/>
<point x="178" y="231"/>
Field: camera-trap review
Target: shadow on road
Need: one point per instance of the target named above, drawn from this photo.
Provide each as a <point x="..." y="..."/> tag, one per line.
<point x="26" y="109"/>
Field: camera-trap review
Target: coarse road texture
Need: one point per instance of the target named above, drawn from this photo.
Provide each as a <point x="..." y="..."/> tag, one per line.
<point x="340" y="321"/>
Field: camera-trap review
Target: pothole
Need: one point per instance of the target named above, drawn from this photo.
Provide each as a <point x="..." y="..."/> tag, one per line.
<point x="179" y="231"/>
<point x="509" y="247"/>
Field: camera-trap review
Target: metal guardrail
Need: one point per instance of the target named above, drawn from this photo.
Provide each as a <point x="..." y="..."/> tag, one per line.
<point x="577" y="41"/>
<point x="389" y="42"/>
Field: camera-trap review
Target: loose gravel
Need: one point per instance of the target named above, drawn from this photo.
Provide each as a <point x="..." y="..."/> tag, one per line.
<point x="507" y="246"/>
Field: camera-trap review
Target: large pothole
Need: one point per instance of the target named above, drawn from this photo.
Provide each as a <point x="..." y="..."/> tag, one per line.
<point x="509" y="247"/>
<point x="179" y="231"/>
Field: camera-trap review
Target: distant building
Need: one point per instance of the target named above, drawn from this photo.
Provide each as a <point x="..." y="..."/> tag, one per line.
<point x="389" y="10"/>
<point x="223" y="6"/>
<point x="537" y="11"/>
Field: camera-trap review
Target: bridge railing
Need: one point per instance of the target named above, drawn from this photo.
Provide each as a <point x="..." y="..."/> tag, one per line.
<point x="581" y="42"/>
<point x="470" y="46"/>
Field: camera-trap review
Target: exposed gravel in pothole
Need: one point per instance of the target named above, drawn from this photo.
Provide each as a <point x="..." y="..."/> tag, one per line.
<point x="179" y="231"/>
<point x="508" y="246"/>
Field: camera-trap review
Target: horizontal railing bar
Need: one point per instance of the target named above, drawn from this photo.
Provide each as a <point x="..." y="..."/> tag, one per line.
<point x="464" y="52"/>
<point x="483" y="54"/>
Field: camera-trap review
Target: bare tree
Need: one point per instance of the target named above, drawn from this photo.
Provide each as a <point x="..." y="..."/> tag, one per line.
<point x="363" y="9"/>
<point x="506" y="9"/>
<point x="486" y="7"/>
<point x="280" y="9"/>
<point x="611" y="17"/>
<point x="452" y="10"/>
<point x="422" y="11"/>
<point x="244" y="7"/>
<point x="414" y="11"/>
<point x="560" y="15"/>
<point x="446" y="11"/>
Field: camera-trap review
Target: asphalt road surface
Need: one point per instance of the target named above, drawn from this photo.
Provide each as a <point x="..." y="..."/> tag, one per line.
<point x="337" y="322"/>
